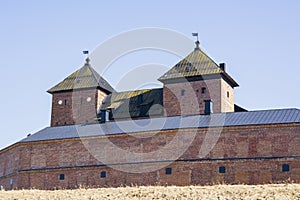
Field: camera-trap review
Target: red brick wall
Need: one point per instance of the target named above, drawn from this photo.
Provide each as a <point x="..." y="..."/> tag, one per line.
<point x="75" y="107"/>
<point x="183" y="173"/>
<point x="227" y="100"/>
<point x="192" y="102"/>
<point x="251" y="155"/>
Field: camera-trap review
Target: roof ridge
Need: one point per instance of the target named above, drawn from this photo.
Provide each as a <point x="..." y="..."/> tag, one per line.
<point x="208" y="57"/>
<point x="274" y="109"/>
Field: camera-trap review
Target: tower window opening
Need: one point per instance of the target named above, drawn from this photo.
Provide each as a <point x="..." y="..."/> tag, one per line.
<point x="203" y="90"/>
<point x="227" y="94"/>
<point x="182" y="92"/>
<point x="168" y="170"/>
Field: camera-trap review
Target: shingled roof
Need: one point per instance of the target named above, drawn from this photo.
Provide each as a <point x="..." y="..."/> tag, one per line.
<point x="132" y="104"/>
<point x="196" y="64"/>
<point x="85" y="77"/>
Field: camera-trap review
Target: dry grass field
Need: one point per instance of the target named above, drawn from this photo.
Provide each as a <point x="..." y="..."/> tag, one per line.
<point x="273" y="191"/>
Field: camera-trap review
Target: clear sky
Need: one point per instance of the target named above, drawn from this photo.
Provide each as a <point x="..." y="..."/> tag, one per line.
<point x="42" y="42"/>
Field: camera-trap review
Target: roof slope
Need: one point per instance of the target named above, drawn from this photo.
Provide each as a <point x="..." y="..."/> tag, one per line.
<point x="85" y="77"/>
<point x="281" y="116"/>
<point x="197" y="63"/>
<point x="132" y="104"/>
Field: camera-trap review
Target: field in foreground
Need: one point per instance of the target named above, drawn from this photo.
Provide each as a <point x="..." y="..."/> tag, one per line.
<point x="278" y="191"/>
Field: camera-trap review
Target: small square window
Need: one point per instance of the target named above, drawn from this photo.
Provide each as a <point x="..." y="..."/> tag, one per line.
<point x="168" y="170"/>
<point x="203" y="90"/>
<point x="62" y="177"/>
<point x="103" y="174"/>
<point x="182" y="92"/>
<point x="222" y="169"/>
<point x="285" y="168"/>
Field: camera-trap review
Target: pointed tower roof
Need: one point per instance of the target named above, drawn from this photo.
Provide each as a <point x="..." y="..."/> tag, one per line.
<point x="196" y="64"/>
<point x="85" y="77"/>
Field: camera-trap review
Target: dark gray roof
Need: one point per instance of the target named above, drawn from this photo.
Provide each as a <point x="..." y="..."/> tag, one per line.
<point x="165" y="123"/>
<point x="134" y="104"/>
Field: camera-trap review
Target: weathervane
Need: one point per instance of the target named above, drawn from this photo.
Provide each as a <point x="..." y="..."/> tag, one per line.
<point x="86" y="52"/>
<point x="197" y="42"/>
<point x="195" y="35"/>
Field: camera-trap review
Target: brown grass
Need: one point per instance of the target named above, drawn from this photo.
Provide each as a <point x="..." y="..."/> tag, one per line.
<point x="272" y="191"/>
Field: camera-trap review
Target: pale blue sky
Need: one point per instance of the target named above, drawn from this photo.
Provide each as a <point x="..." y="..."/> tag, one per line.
<point x="42" y="42"/>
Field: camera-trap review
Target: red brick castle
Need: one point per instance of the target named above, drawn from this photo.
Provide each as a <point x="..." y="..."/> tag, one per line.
<point x="223" y="142"/>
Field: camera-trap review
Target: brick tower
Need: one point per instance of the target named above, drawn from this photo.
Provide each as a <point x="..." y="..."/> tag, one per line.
<point x="77" y="99"/>
<point x="195" y="80"/>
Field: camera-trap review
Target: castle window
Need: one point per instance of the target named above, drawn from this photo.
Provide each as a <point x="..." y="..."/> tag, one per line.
<point x="103" y="174"/>
<point x="203" y="90"/>
<point x="168" y="170"/>
<point x="285" y="168"/>
<point x="222" y="170"/>
<point x="62" y="177"/>
<point x="65" y="102"/>
<point x="182" y="92"/>
<point x="227" y="94"/>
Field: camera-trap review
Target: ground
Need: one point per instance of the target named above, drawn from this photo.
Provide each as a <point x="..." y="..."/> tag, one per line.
<point x="272" y="191"/>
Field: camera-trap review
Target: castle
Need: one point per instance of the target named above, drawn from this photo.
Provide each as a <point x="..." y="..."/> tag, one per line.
<point x="189" y="132"/>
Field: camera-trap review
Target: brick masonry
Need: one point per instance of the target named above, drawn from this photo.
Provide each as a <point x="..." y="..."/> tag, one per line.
<point x="76" y="107"/>
<point x="187" y="98"/>
<point x="250" y="155"/>
<point x="240" y="154"/>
